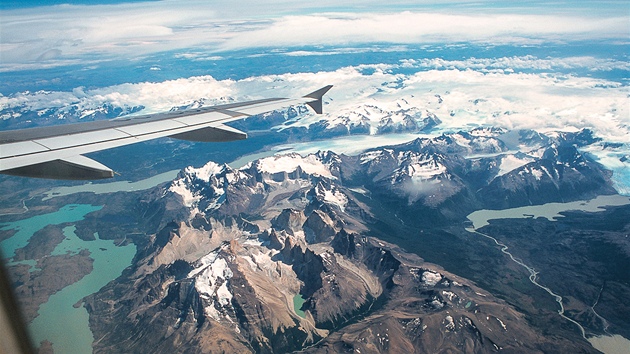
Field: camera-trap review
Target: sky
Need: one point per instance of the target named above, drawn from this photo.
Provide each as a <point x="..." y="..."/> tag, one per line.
<point x="536" y="64"/>
<point x="55" y="34"/>
<point x="82" y="35"/>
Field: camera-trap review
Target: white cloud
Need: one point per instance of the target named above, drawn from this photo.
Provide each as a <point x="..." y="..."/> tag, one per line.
<point x="156" y="97"/>
<point x="55" y="35"/>
<point x="412" y="27"/>
<point x="527" y="62"/>
<point x="542" y="101"/>
<point x="534" y="101"/>
<point x="72" y="31"/>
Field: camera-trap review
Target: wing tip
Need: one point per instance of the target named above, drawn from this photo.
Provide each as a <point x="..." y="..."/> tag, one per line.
<point x="319" y="93"/>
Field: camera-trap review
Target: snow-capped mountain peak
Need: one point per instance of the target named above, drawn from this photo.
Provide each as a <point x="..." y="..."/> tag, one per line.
<point x="212" y="186"/>
<point x="310" y="164"/>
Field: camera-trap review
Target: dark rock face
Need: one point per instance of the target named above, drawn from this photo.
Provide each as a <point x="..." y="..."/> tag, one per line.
<point x="200" y="222"/>
<point x="560" y="175"/>
<point x="278" y="256"/>
<point x="289" y="220"/>
<point x="318" y="227"/>
<point x="344" y="244"/>
<point x="165" y="235"/>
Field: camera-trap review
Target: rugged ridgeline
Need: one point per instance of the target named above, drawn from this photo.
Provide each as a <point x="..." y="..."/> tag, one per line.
<point x="277" y="256"/>
<point x="444" y="178"/>
<point x="393" y="117"/>
<point x="377" y="118"/>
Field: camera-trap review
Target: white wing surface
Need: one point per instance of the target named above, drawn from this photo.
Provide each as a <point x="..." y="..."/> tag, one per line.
<point x="56" y="152"/>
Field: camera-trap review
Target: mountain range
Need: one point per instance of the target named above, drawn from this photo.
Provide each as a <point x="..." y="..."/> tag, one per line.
<point x="282" y="254"/>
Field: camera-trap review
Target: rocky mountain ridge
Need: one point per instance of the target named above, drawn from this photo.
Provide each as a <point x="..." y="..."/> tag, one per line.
<point x="276" y="256"/>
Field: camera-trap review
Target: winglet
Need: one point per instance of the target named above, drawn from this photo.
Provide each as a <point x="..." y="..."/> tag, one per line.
<point x="317" y="95"/>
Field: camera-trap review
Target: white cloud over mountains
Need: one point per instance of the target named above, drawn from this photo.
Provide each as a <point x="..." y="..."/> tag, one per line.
<point x="61" y="34"/>
<point x="156" y="97"/>
<point x="462" y="94"/>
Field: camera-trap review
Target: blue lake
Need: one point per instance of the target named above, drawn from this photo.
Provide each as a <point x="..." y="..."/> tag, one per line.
<point x="58" y="321"/>
<point x="27" y="227"/>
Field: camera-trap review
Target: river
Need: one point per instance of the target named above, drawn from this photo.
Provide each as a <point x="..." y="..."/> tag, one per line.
<point x="607" y="344"/>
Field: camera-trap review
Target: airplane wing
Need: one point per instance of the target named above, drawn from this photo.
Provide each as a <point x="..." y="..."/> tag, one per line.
<point x="57" y="152"/>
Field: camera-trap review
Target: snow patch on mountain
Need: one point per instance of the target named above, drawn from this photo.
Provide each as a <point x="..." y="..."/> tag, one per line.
<point x="211" y="282"/>
<point x="477" y="141"/>
<point x="448" y="323"/>
<point x="376" y="116"/>
<point x="257" y="184"/>
<point x="425" y="169"/>
<point x="419" y="166"/>
<point x="537" y="173"/>
<point x="204" y="173"/>
<point x="290" y="162"/>
<point x="487" y="132"/>
<point x="332" y="195"/>
<point x="206" y="183"/>
<point x="431" y="278"/>
<point x="374" y="155"/>
<point x="179" y="187"/>
<point x="512" y="162"/>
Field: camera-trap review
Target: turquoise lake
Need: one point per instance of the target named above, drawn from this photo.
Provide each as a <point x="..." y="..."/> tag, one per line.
<point x="58" y="321"/>
<point x="27" y="227"/>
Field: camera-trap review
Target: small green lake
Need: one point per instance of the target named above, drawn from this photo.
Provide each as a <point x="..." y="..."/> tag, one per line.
<point x="298" y="301"/>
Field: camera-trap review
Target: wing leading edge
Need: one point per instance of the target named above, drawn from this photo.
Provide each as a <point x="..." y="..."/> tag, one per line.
<point x="57" y="152"/>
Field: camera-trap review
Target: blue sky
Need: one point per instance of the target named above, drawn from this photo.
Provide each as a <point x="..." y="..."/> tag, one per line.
<point x="21" y="4"/>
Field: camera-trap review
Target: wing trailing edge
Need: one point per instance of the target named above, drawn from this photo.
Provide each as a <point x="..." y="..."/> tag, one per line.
<point x="221" y="133"/>
<point x="57" y="152"/>
<point x="73" y="168"/>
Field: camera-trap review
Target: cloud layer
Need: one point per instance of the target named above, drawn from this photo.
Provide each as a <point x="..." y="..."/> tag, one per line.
<point x="62" y="34"/>
<point x="461" y="93"/>
<point x="411" y="27"/>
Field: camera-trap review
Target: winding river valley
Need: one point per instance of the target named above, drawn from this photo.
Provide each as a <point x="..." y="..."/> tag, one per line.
<point x="607" y="344"/>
